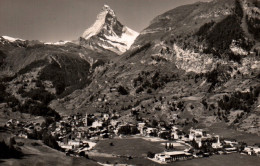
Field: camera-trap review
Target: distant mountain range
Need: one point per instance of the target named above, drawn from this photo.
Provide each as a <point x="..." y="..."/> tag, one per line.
<point x="107" y="33"/>
<point x="195" y="65"/>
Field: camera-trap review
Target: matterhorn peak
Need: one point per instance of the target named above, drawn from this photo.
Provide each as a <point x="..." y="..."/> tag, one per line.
<point x="107" y="8"/>
<point x="100" y="22"/>
<point x="108" y="33"/>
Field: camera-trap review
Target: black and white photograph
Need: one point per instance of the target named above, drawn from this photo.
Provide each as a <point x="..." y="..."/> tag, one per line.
<point x="129" y="82"/>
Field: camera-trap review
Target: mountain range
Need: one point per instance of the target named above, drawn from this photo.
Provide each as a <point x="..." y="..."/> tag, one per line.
<point x="195" y="65"/>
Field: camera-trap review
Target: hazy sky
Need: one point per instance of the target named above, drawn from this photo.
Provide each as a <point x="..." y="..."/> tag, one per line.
<point x="54" y="20"/>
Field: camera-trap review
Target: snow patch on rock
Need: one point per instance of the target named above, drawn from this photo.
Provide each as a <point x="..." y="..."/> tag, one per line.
<point x="11" y="39"/>
<point x="57" y="43"/>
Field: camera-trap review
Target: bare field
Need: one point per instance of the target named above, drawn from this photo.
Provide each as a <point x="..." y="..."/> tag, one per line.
<point x="138" y="148"/>
<point x="135" y="147"/>
<point x="224" y="131"/>
<point x="219" y="160"/>
<point x="222" y="160"/>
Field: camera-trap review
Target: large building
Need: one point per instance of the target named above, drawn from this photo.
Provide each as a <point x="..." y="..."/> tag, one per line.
<point x="167" y="157"/>
<point x="196" y="132"/>
<point x="198" y="135"/>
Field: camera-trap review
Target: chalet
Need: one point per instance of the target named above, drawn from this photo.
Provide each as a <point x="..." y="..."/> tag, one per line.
<point x="115" y="115"/>
<point x="97" y="124"/>
<point x="174" y="128"/>
<point x="231" y="142"/>
<point x="75" y="117"/>
<point x="141" y="127"/>
<point x="81" y="134"/>
<point x="105" y="116"/>
<point x="218" y="144"/>
<point x="150" y="131"/>
<point x="23" y="134"/>
<point x="163" y="133"/>
<point x="69" y="118"/>
<point x="231" y="150"/>
<point x="38" y="128"/>
<point x="196" y="132"/>
<point x="8" y="124"/>
<point x="248" y="150"/>
<point x="97" y="114"/>
<point x="94" y="138"/>
<point x="74" y="143"/>
<point x="176" y="134"/>
<point x="29" y="129"/>
<point x="251" y="150"/>
<point x="256" y="150"/>
<point x="161" y="123"/>
<point x="113" y="89"/>
<point x="12" y="121"/>
<point x="66" y="147"/>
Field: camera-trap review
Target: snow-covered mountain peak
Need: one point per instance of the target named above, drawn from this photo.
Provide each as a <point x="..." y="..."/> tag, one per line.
<point x="108" y="33"/>
<point x="107" y="9"/>
<point x="11" y="39"/>
<point x="105" y="17"/>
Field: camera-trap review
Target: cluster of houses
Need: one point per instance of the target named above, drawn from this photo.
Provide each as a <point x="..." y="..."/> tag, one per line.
<point x="22" y="128"/>
<point x="80" y="132"/>
<point x="251" y="150"/>
<point x="72" y="131"/>
<point x="201" y="138"/>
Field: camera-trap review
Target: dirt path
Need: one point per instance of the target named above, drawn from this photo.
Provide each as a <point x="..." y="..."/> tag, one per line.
<point x="98" y="154"/>
<point x="245" y="27"/>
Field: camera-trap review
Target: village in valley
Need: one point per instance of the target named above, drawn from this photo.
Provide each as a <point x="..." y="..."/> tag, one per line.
<point x="77" y="135"/>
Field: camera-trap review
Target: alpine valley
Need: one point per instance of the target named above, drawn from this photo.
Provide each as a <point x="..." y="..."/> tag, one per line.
<point x="197" y="66"/>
